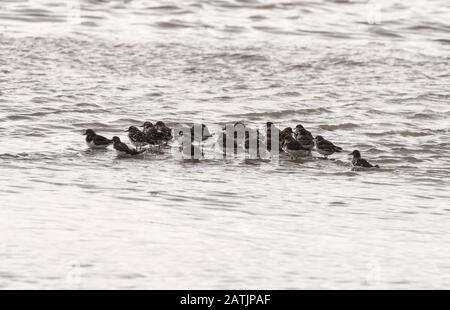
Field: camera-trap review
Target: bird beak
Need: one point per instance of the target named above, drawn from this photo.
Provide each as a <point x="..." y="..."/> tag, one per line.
<point x="126" y="130"/>
<point x="350" y="153"/>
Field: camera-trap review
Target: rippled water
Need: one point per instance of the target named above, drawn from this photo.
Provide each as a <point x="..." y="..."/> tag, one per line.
<point x="374" y="77"/>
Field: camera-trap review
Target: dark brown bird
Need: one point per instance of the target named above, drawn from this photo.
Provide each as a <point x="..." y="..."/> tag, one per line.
<point x="166" y="131"/>
<point x="95" y="141"/>
<point x="152" y="135"/>
<point x="286" y="132"/>
<point x="123" y="149"/>
<point x="303" y="136"/>
<point x="326" y="147"/>
<point x="136" y="137"/>
<point x="358" y="161"/>
<point x="295" y="148"/>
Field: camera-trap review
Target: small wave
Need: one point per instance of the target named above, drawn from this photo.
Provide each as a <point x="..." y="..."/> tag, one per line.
<point x="172" y="25"/>
<point x="443" y="41"/>
<point x="164" y="7"/>
<point x="257" y="17"/>
<point x="10" y="156"/>
<point x="423" y="115"/>
<point x="289" y="94"/>
<point x="89" y="24"/>
<point x="384" y="32"/>
<point x="91" y="125"/>
<point x="339" y="126"/>
<point x="403" y="133"/>
<point x="279" y="114"/>
<point x="244" y="56"/>
<point x="430" y="28"/>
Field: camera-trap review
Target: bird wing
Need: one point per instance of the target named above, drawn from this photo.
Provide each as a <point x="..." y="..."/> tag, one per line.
<point x="305" y="140"/>
<point x="326" y="145"/>
<point x="122" y="147"/>
<point x="152" y="136"/>
<point x="294" y="145"/>
<point x="99" y="140"/>
<point x="364" y="163"/>
<point x="140" y="137"/>
<point x="167" y="132"/>
<point x="132" y="136"/>
<point x="337" y="148"/>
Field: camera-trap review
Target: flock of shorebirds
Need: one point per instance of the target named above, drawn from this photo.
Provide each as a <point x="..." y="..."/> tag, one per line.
<point x="295" y="143"/>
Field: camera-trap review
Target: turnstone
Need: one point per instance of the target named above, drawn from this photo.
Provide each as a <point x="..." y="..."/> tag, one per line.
<point x="326" y="147"/>
<point x="303" y="136"/>
<point x="151" y="134"/>
<point x="136" y="137"/>
<point x="286" y="132"/>
<point x="123" y="149"/>
<point x="95" y="141"/>
<point x="358" y="161"/>
<point x="166" y="131"/>
<point x="148" y="127"/>
<point x="294" y="148"/>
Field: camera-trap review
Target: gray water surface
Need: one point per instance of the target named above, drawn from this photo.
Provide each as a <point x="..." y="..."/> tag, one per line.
<point x="367" y="79"/>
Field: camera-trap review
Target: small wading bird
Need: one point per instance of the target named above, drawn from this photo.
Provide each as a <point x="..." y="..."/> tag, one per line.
<point x="95" y="141"/>
<point x="124" y="150"/>
<point x="152" y="135"/>
<point x="136" y="137"/>
<point x="326" y="147"/>
<point x="166" y="131"/>
<point x="286" y="132"/>
<point x="305" y="137"/>
<point x="295" y="148"/>
<point x="358" y="161"/>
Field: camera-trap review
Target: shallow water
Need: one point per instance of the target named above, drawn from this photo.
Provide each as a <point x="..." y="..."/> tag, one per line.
<point x="368" y="80"/>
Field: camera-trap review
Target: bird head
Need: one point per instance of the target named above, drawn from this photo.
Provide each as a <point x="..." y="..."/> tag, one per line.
<point x="89" y="132"/>
<point x="160" y="124"/>
<point x="355" y="154"/>
<point x="319" y="138"/>
<point x="131" y="129"/>
<point x="299" y="127"/>
<point x="288" y="130"/>
<point x="147" y="125"/>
